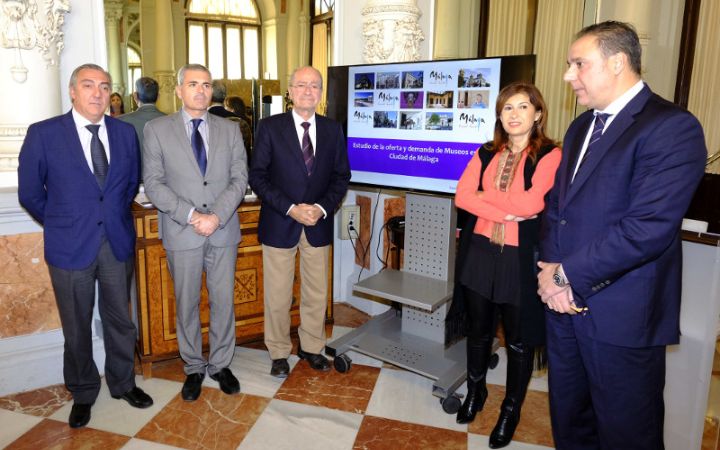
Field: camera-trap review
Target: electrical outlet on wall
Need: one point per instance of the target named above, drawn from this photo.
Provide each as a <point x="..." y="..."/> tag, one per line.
<point x="350" y="222"/>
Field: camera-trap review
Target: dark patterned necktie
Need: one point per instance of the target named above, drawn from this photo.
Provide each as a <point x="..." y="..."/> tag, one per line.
<point x="98" y="155"/>
<point x="597" y="132"/>
<point x="307" y="148"/>
<point x="198" y="146"/>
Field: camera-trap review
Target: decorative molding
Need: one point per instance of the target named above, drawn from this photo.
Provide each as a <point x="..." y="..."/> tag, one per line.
<point x="391" y="31"/>
<point x="22" y="29"/>
<point x="113" y="11"/>
<point x="18" y="131"/>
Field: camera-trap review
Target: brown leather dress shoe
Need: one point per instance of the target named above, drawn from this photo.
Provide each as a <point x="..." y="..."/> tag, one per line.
<point x="316" y="360"/>
<point x="136" y="397"/>
<point x="280" y="368"/>
<point x="79" y="415"/>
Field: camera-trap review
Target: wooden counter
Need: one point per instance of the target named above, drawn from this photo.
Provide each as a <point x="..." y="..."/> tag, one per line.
<point x="156" y="300"/>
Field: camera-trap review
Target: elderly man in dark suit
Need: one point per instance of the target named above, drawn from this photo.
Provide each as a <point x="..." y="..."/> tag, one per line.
<point x="146" y="94"/>
<point x="300" y="172"/>
<point x="611" y="276"/>
<point x="77" y="177"/>
<point x="195" y="173"/>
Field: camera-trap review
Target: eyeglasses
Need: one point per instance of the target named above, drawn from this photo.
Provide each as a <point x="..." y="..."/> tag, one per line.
<point x="303" y="86"/>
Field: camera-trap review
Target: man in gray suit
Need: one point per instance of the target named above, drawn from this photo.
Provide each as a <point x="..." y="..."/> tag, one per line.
<point x="146" y="94"/>
<point x="195" y="173"/>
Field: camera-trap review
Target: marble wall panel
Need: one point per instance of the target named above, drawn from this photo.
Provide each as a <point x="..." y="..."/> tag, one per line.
<point x="27" y="302"/>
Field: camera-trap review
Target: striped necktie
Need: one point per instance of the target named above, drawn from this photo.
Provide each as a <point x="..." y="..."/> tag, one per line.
<point x="307" y="148"/>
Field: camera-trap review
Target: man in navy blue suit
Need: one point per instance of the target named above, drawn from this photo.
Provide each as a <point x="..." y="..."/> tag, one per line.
<point x="611" y="276"/>
<point x="77" y="177"/>
<point x="300" y="172"/>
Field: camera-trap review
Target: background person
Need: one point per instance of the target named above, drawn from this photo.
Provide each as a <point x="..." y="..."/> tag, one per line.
<point x="117" y="106"/>
<point x="146" y="94"/>
<point x="503" y="188"/>
<point x="78" y="175"/>
<point x="611" y="244"/>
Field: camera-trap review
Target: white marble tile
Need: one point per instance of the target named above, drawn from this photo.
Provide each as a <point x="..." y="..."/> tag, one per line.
<point x="357" y="358"/>
<point x="142" y="444"/>
<point x="117" y="416"/>
<point x="480" y="442"/>
<point x="15" y="425"/>
<point x="252" y="369"/>
<point x="407" y="397"/>
<point x="295" y="426"/>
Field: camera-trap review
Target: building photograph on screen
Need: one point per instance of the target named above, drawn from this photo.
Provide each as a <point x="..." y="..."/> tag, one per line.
<point x="364" y="99"/>
<point x="412" y="80"/>
<point x="364" y="80"/>
<point x="428" y="119"/>
<point x="388" y="80"/>
<point x="385" y="119"/>
<point x="411" y="120"/>
<point x="469" y="78"/>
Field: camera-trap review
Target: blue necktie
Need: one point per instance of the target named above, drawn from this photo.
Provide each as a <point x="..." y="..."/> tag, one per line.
<point x="97" y="155"/>
<point x="597" y="132"/>
<point x="198" y="146"/>
<point x="307" y="148"/>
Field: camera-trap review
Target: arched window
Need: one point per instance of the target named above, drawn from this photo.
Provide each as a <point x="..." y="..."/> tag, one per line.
<point x="321" y="14"/>
<point x="134" y="67"/>
<point x="224" y="35"/>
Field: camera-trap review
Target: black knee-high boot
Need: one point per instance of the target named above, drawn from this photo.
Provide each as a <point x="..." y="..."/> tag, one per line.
<point x="520" y="365"/>
<point x="478" y="354"/>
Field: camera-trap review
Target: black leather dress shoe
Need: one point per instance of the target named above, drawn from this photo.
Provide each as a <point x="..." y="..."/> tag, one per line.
<point x="228" y="383"/>
<point x="136" y="397"/>
<point x="192" y="387"/>
<point x="316" y="361"/>
<point x="79" y="415"/>
<point x="280" y="368"/>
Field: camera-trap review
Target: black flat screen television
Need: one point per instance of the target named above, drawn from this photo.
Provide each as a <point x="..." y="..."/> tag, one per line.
<point x="415" y="125"/>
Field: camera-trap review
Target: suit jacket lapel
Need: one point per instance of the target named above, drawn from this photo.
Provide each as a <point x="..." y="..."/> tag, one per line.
<point x="114" y="152"/>
<point x="75" y="148"/>
<point x="623" y="121"/>
<point x="183" y="141"/>
<point x="293" y="144"/>
<point x="573" y="149"/>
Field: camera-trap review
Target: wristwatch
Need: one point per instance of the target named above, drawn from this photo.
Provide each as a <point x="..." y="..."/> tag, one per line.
<point x="559" y="278"/>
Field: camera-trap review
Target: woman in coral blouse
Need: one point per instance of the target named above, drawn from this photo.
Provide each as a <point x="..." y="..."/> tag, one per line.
<point x="503" y="188"/>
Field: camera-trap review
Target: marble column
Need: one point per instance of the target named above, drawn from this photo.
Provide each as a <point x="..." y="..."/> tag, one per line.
<point x="391" y="31"/>
<point x="164" y="60"/>
<point x="31" y="41"/>
<point x="113" y="15"/>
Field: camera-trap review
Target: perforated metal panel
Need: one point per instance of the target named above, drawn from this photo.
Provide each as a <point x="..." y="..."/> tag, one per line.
<point x="430" y="227"/>
<point x="424" y="324"/>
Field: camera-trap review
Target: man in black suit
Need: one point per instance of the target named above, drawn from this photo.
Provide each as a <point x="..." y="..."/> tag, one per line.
<point x="612" y="250"/>
<point x="146" y="94"/>
<point x="217" y="103"/>
<point x="300" y="172"/>
<point x="77" y="177"/>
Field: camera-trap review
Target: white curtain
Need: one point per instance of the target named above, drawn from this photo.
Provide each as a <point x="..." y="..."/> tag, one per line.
<point x="554" y="33"/>
<point x="509" y="27"/>
<point x="320" y="57"/>
<point x="704" y="87"/>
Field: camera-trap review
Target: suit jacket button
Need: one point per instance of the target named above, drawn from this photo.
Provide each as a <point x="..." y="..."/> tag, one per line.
<point x="204" y="205"/>
<point x="100" y="223"/>
<point x="204" y="183"/>
<point x="102" y="198"/>
<point x="563" y="222"/>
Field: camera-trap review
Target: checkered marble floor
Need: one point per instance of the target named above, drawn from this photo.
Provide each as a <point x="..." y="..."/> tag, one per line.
<point x="373" y="406"/>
